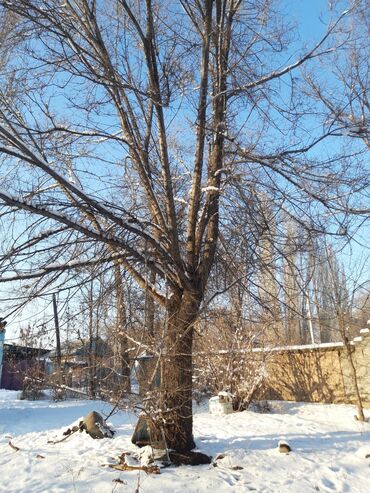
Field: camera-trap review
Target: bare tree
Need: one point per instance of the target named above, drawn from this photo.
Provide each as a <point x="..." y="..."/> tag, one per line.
<point x="131" y="122"/>
<point x="344" y="96"/>
<point x="343" y="302"/>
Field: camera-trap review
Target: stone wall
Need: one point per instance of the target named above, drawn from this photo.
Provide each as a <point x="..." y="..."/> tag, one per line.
<point x="319" y="373"/>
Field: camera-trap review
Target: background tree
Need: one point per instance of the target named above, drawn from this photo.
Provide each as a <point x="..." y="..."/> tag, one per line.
<point x="343" y="304"/>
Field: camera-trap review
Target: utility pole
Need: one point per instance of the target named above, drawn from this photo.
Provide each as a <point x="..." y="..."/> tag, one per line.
<point x="57" y="336"/>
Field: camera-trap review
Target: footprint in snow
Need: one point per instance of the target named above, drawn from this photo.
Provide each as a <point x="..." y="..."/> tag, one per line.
<point x="328" y="484"/>
<point x="228" y="477"/>
<point x="333" y="486"/>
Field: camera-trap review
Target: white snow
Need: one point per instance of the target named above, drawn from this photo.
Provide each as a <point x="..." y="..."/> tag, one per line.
<point x="301" y="347"/>
<point x="210" y="189"/>
<point x="219" y="171"/>
<point x="180" y="200"/>
<point x="283" y="442"/>
<point x="269" y="349"/>
<point x="224" y="393"/>
<point x="329" y="449"/>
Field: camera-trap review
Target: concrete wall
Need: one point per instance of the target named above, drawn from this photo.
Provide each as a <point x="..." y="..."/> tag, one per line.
<point x="319" y="374"/>
<point x="312" y="373"/>
<point x="362" y="364"/>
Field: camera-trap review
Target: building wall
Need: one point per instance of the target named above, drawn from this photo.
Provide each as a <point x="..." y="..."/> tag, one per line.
<point x="320" y="374"/>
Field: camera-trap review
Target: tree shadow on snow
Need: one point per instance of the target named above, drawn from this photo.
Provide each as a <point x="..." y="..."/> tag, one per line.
<point x="300" y="443"/>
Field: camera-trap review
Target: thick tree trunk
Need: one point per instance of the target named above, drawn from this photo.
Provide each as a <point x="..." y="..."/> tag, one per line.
<point x="177" y="373"/>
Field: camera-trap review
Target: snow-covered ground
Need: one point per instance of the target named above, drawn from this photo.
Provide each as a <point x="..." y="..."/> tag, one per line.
<point x="329" y="451"/>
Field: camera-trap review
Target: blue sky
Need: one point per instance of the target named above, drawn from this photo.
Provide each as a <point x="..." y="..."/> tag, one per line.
<point x="306" y="13"/>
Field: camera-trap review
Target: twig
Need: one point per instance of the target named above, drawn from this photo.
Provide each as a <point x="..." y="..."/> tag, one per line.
<point x="165" y="442"/>
<point x="62" y="440"/>
<point x="14" y="446"/>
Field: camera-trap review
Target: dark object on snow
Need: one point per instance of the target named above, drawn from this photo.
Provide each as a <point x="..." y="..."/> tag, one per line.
<point x="95" y="426"/>
<point x="189" y="458"/>
<point x="367" y="456"/>
<point x="284" y="447"/>
<point x="69" y="432"/>
<point x="74" y="429"/>
<point x="147" y="433"/>
<point x="222" y="456"/>
<point x="218" y="457"/>
<point x="14" y="447"/>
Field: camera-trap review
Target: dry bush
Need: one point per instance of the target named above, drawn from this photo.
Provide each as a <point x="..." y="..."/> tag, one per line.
<point x="33" y="383"/>
<point x="226" y="359"/>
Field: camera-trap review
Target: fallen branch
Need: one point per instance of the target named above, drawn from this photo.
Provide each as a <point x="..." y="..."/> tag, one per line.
<point x="146" y="469"/>
<point x="65" y="438"/>
<point x="63" y="387"/>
